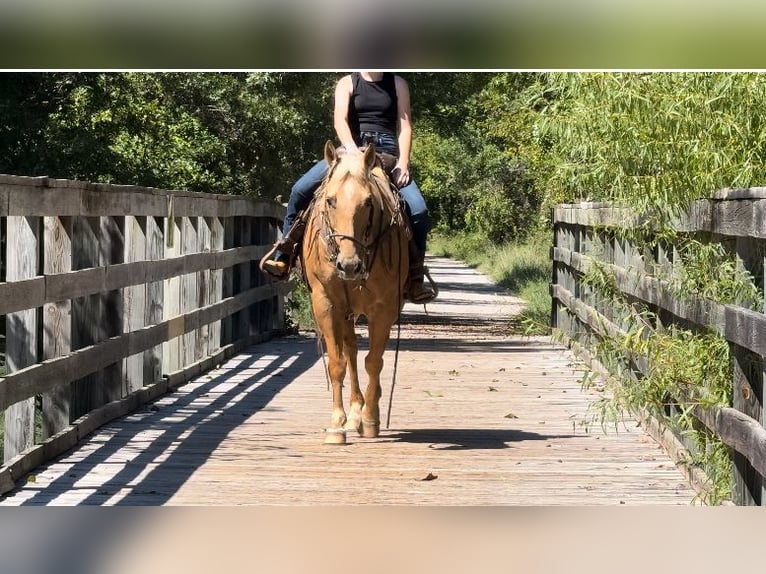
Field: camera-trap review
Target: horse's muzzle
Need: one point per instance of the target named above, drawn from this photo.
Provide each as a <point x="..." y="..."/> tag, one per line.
<point x="350" y="268"/>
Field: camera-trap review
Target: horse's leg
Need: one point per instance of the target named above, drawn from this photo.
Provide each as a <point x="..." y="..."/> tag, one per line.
<point x="356" y="402"/>
<point x="332" y="330"/>
<point x="379" y="333"/>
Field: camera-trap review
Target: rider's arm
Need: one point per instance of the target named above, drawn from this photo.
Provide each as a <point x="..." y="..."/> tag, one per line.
<point x="343" y="91"/>
<point x="405" y="132"/>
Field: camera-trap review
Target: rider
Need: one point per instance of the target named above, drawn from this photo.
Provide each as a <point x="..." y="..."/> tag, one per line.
<point x="370" y="107"/>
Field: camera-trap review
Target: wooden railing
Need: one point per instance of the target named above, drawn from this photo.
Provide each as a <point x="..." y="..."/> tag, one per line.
<point x="584" y="234"/>
<point x="112" y="295"/>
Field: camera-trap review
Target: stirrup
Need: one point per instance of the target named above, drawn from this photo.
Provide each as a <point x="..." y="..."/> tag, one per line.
<point x="425" y="297"/>
<point x="266" y="271"/>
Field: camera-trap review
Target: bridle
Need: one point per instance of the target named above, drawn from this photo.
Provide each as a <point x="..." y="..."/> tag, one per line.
<point x="368" y="249"/>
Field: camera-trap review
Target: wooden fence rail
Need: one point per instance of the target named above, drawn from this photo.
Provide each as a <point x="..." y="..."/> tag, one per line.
<point x="111" y="295"/>
<point x="584" y="235"/>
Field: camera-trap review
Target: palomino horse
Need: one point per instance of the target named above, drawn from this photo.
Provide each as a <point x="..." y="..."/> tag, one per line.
<point x="355" y="261"/>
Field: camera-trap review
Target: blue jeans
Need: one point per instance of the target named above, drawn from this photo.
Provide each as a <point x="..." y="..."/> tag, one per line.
<point x="415" y="205"/>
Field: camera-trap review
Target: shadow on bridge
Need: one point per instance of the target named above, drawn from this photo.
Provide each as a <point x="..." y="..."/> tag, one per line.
<point x="145" y="458"/>
<point x="471" y="438"/>
<point x="185" y="433"/>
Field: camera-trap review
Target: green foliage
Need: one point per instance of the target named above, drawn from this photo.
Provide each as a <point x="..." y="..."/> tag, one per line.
<point x="653" y="140"/>
<point x="701" y="262"/>
<point x="663" y="370"/>
<point x="237" y="133"/>
<point x="476" y="175"/>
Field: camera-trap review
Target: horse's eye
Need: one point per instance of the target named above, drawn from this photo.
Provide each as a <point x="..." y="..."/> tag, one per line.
<point x="331" y="202"/>
<point x="368" y="202"/>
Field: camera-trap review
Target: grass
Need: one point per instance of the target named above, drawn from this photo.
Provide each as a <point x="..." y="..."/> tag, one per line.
<point x="522" y="268"/>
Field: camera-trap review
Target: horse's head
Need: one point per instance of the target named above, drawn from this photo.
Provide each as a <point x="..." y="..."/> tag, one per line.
<point x="349" y="209"/>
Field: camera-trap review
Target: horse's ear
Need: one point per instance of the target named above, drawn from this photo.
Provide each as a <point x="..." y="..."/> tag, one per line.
<point x="369" y="157"/>
<point x="330" y="154"/>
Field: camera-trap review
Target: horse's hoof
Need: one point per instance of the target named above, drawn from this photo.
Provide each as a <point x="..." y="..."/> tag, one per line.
<point x="354" y="426"/>
<point x="370" y="429"/>
<point x="335" y="436"/>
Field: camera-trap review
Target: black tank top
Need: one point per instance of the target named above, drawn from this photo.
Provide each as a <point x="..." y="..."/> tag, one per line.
<point x="373" y="105"/>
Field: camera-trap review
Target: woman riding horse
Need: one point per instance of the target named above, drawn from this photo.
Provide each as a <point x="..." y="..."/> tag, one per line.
<point x="370" y="108"/>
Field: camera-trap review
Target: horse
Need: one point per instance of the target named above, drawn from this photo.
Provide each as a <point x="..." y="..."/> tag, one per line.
<point x="355" y="260"/>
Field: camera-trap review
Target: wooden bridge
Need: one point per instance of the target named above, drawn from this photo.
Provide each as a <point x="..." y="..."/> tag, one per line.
<point x="478" y="417"/>
<point x="187" y="396"/>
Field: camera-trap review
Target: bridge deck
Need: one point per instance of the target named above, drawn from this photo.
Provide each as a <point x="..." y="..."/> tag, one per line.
<point x="479" y="417"/>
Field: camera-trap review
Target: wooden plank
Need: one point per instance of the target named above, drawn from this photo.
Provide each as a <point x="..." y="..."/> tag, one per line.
<point x="204" y="296"/>
<point x="21" y="331"/>
<point x="171" y="350"/>
<point x="155" y="250"/>
<point x="747" y="391"/>
<point x="87" y="327"/>
<point x="227" y="279"/>
<point x="43" y="196"/>
<point x="77" y="283"/>
<point x="134" y="302"/>
<point x="216" y="281"/>
<point x="4" y="195"/>
<point x="21" y="295"/>
<point x="243" y="319"/>
<point x="113" y="203"/>
<point x="112" y="251"/>
<point x="189" y="288"/>
<point x="57" y="323"/>
<point x="38" y="201"/>
<point x="739" y="431"/>
<point x="740" y="193"/>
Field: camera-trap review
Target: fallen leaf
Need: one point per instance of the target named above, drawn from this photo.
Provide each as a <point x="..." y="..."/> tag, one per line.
<point x="454" y="373"/>
<point x="493" y="389"/>
<point x="501" y="369"/>
<point x="430" y="476"/>
<point x="31" y="478"/>
<point x="511" y="416"/>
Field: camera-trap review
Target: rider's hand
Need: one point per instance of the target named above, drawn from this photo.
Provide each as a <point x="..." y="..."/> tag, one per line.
<point x="352" y="149"/>
<point x="401" y="175"/>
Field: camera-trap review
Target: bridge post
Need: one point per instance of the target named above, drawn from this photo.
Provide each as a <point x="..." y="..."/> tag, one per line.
<point x="227" y="281"/>
<point x="112" y="251"/>
<point x="243" y="317"/>
<point x="171" y="349"/>
<point x="134" y="301"/>
<point x="21" y="330"/>
<point x="216" y="281"/>
<point x="189" y="285"/>
<point x="87" y="328"/>
<point x="57" y="322"/>
<point x="748" y="381"/>
<point x="203" y="286"/>
<point x="155" y="251"/>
